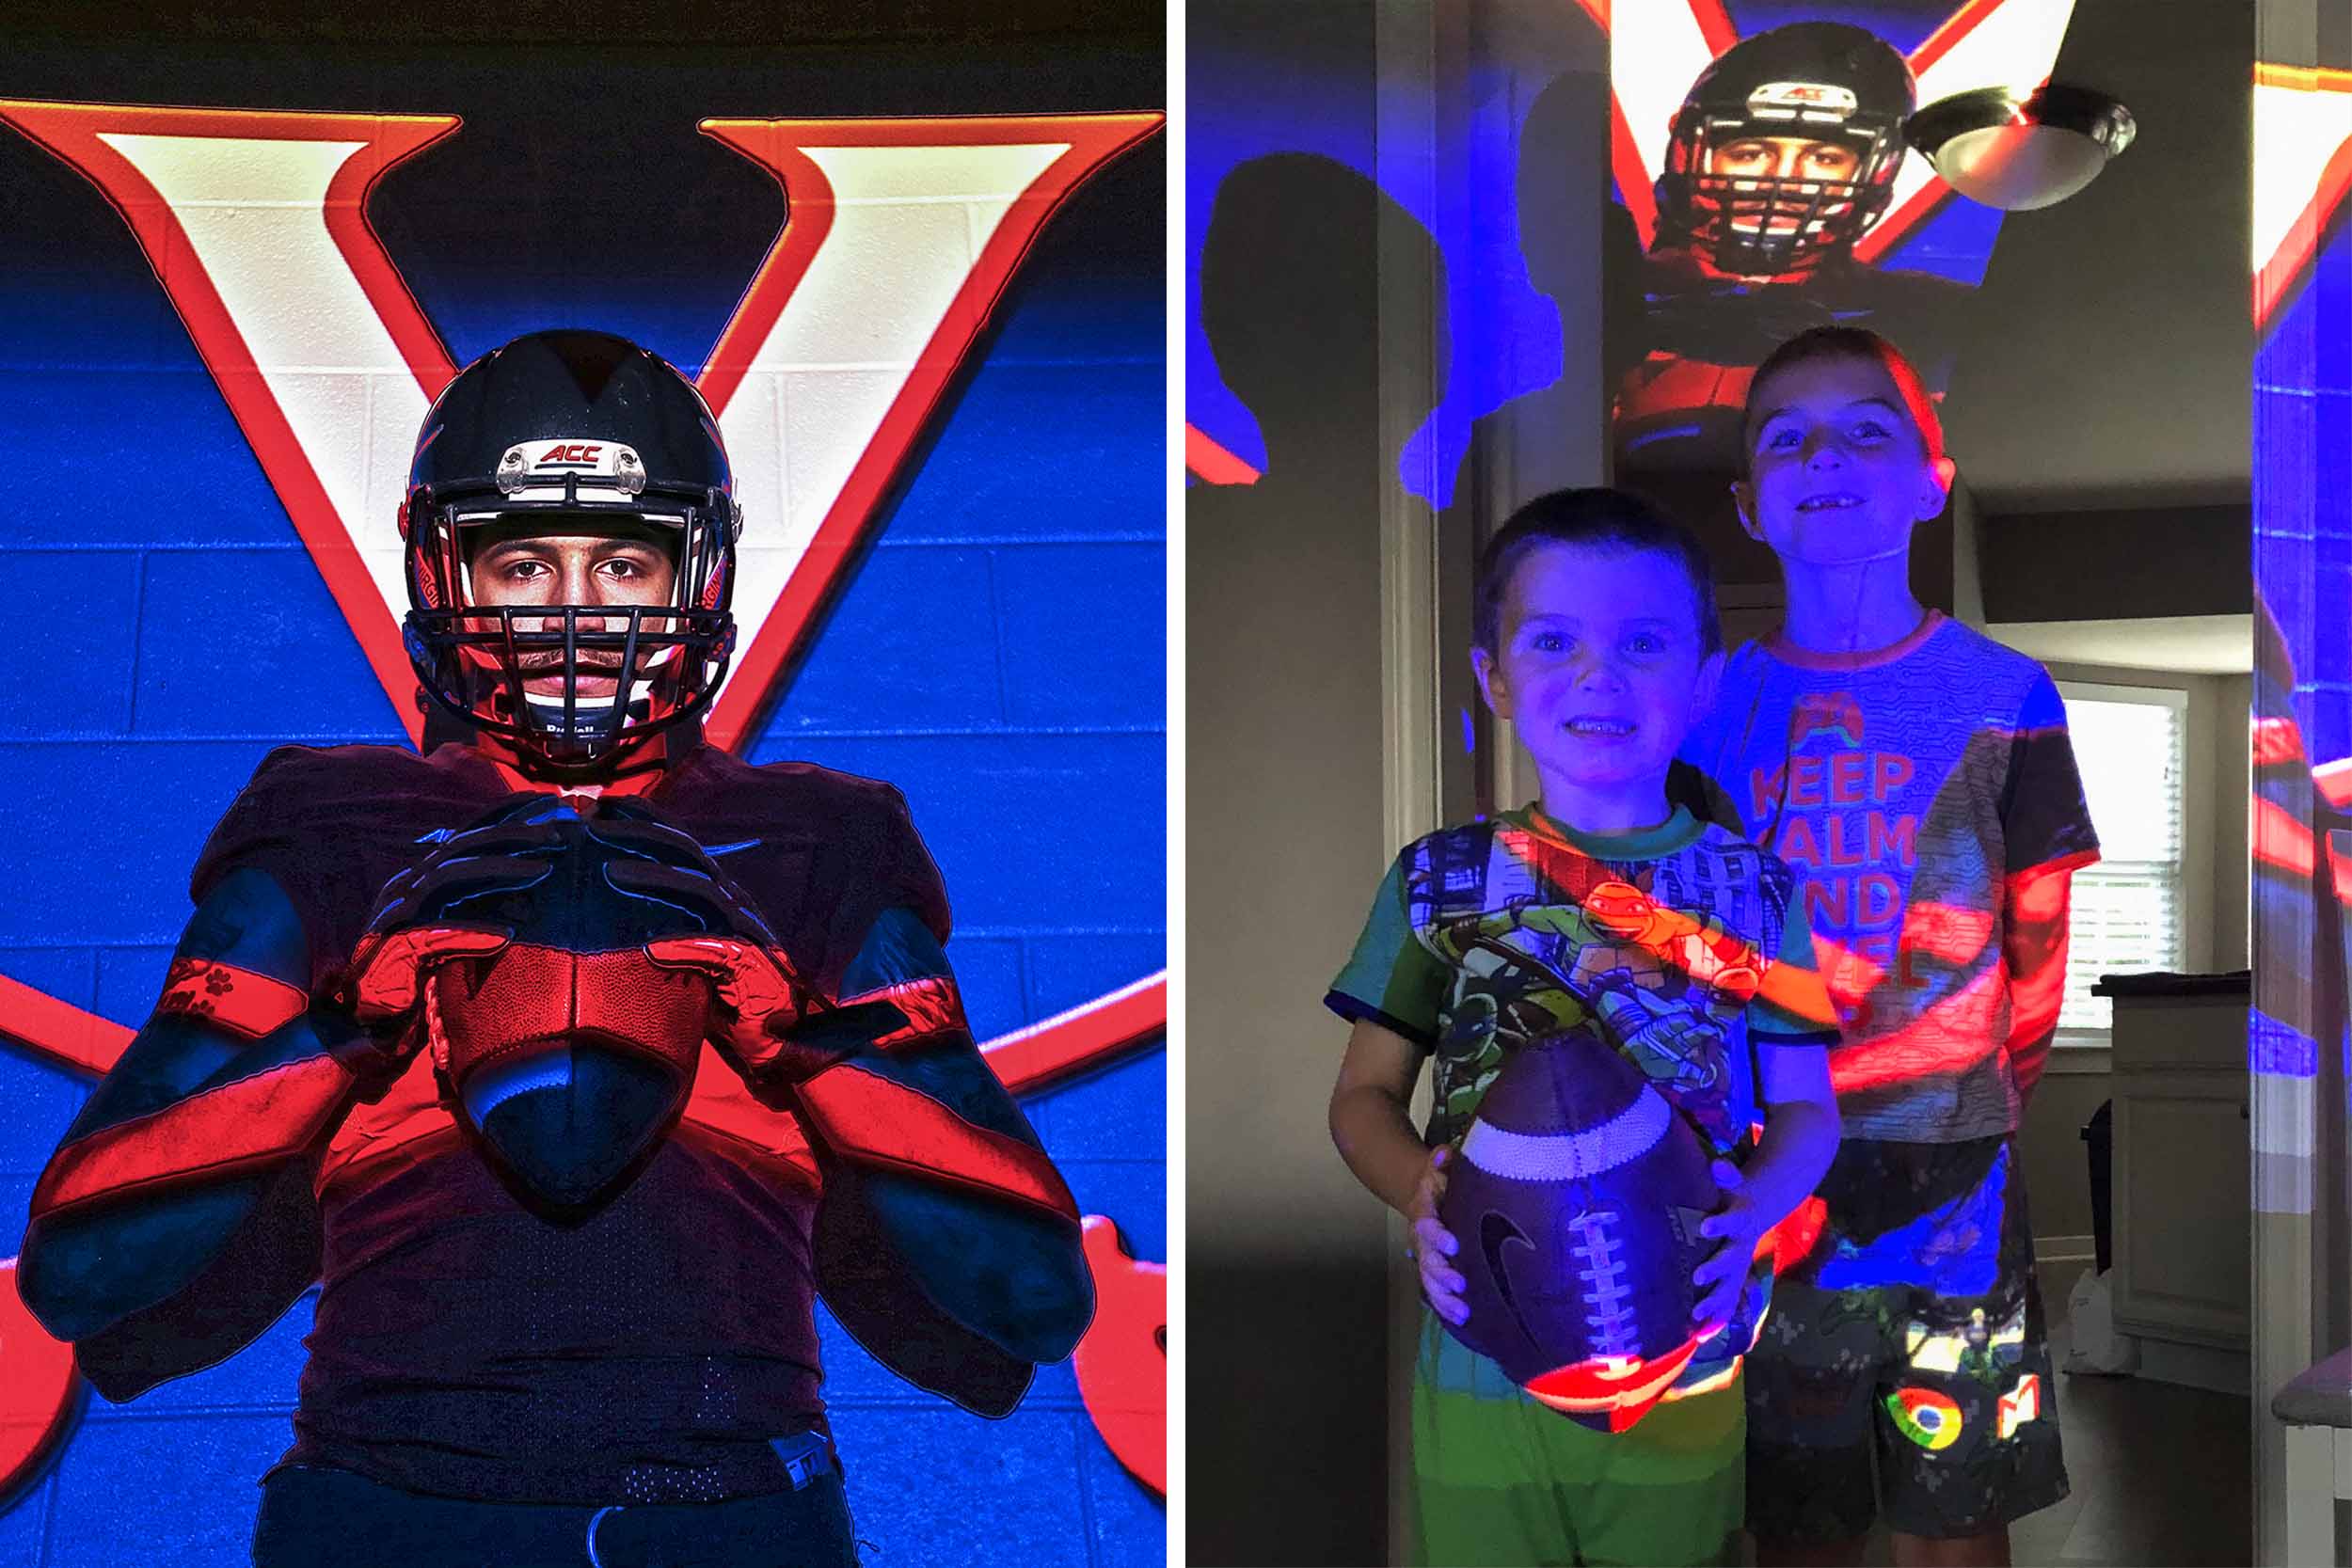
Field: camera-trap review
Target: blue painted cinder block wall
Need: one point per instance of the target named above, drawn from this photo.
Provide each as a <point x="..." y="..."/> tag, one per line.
<point x="998" y="655"/>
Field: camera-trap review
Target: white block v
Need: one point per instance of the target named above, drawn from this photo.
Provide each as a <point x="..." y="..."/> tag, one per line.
<point x="899" y="239"/>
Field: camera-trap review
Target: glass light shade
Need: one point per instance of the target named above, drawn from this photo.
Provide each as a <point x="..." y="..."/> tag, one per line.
<point x="2019" y="151"/>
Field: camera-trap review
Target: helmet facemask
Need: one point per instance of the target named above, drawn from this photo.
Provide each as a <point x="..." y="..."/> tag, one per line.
<point x="1794" y="175"/>
<point x="609" y="674"/>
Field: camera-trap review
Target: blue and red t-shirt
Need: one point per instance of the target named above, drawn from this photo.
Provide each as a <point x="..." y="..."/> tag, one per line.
<point x="1911" y="788"/>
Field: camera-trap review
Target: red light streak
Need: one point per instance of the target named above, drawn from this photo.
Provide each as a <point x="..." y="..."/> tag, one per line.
<point x="1121" y="1364"/>
<point x="1210" y="462"/>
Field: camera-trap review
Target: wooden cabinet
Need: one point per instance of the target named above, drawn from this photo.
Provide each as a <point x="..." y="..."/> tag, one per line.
<point x="2184" y="1268"/>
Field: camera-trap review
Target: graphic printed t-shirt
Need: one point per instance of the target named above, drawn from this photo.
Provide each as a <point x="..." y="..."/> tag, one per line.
<point x="1683" y="946"/>
<point x="1909" y="787"/>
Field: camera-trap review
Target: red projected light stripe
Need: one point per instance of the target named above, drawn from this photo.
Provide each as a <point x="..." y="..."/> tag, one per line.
<point x="1121" y="1364"/>
<point x="2280" y="840"/>
<point x="1210" y="462"/>
<point x="1081" y="1038"/>
<point x="1956" y="28"/>
<point x="1714" y="22"/>
<point x="2278" y="743"/>
<point x="58" y="1030"/>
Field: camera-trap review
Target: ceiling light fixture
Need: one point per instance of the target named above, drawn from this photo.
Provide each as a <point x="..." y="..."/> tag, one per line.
<point x="2019" y="150"/>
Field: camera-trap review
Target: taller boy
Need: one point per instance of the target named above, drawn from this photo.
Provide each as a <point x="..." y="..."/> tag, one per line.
<point x="1921" y="777"/>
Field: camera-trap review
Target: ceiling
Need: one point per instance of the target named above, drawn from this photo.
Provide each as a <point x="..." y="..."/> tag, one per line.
<point x="2117" y="340"/>
<point x="2181" y="645"/>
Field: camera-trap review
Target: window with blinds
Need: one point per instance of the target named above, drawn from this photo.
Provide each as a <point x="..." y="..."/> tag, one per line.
<point x="2130" y="743"/>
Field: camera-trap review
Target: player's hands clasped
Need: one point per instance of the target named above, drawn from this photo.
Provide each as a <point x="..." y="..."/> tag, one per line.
<point x="384" y="987"/>
<point x="1433" y="1244"/>
<point x="761" y="998"/>
<point x="1724" y="1272"/>
<point x="388" y="973"/>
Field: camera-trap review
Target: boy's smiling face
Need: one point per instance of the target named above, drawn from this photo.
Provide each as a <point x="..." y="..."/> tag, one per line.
<point x="1598" y="665"/>
<point x="1838" y="473"/>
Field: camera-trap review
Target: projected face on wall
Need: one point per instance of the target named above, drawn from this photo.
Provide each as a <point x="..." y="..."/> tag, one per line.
<point x="1762" y="185"/>
<point x="1785" y="198"/>
<point x="1783" y="151"/>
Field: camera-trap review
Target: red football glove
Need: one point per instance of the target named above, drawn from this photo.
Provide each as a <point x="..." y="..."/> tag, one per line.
<point x="773" y="1027"/>
<point x="761" y="998"/>
<point x="388" y="973"/>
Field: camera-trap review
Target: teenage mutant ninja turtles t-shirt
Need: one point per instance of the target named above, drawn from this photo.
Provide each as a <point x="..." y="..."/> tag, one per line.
<point x="1682" y="946"/>
<point x="1909" y="788"/>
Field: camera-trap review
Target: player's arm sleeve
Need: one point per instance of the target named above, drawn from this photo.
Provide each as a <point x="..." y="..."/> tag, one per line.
<point x="2048" y="836"/>
<point x="1391" y="979"/>
<point x="946" y="1243"/>
<point x="176" y="1220"/>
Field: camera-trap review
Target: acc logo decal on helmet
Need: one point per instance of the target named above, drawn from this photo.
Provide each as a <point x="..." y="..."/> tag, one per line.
<point x="604" y="459"/>
<point x="1809" y="102"/>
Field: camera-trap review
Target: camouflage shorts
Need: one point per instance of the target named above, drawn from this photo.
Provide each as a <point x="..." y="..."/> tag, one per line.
<point x="1905" y="1368"/>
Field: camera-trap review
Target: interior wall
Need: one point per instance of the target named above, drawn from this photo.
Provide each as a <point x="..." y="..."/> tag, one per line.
<point x="2231" y="739"/>
<point x="2135" y="563"/>
<point x="1287" y="1256"/>
<point x="2056" y="1161"/>
<point x="2214" y="927"/>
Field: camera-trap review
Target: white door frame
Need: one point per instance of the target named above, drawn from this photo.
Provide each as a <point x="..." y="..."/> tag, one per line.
<point x="1405" y="146"/>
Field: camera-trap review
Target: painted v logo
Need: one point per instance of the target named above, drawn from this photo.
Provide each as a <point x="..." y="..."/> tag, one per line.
<point x="901" y="235"/>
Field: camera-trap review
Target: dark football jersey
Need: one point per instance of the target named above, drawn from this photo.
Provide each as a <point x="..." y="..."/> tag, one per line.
<point x="465" y="1346"/>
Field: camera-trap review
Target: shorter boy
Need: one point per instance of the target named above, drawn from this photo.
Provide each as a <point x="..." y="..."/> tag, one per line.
<point x="1596" y="634"/>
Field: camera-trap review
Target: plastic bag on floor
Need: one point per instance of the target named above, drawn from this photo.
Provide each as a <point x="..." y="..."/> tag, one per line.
<point x="2096" y="1346"/>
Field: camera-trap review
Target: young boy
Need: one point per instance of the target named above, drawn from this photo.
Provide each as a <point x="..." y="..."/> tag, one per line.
<point x="1919" y="777"/>
<point x="1596" y="634"/>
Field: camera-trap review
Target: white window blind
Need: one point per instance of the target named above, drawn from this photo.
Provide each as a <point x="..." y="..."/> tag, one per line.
<point x="2130" y="743"/>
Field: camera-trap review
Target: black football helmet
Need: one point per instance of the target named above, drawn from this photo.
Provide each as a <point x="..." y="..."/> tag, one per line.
<point x="1811" y="80"/>
<point x="569" y="432"/>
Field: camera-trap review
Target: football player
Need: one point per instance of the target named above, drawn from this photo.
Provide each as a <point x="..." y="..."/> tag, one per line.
<point x="1783" y="154"/>
<point x="575" y="1057"/>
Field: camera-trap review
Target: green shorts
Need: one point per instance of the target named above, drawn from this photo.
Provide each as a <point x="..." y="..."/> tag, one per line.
<point x="1502" y="1480"/>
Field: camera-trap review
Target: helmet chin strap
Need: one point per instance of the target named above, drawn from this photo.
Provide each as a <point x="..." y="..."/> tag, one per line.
<point x="633" y="768"/>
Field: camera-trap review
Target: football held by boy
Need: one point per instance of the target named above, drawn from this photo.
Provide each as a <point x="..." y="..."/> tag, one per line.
<point x="1920" y="778"/>
<point x="1606" y="913"/>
